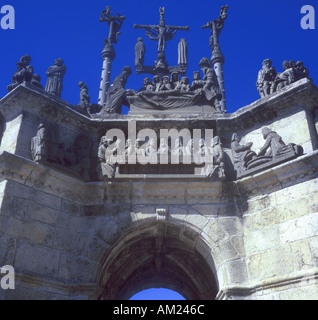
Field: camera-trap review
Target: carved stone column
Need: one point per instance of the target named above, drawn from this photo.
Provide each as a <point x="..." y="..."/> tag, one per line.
<point x="108" y="55"/>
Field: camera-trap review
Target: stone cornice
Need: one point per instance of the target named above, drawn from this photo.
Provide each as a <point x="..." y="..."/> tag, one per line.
<point x="27" y="99"/>
<point x="238" y="290"/>
<point x="296" y="171"/>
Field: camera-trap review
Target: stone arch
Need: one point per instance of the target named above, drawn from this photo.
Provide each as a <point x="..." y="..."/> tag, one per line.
<point x="168" y="254"/>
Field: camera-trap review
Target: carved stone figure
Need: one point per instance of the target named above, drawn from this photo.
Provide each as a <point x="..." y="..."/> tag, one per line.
<point x="39" y="145"/>
<point x="114" y="22"/>
<point x="189" y="148"/>
<point x="157" y="82"/>
<point x="184" y="84"/>
<point x="216" y="27"/>
<point x="301" y="71"/>
<point x="163" y="147"/>
<point x="85" y="99"/>
<point x="242" y="154"/>
<point x="216" y="170"/>
<point x="161" y="33"/>
<point x="284" y="78"/>
<point x="177" y="151"/>
<point x="147" y="85"/>
<point x="175" y="79"/>
<point x="106" y="168"/>
<point x="140" y="50"/>
<point x="161" y="66"/>
<point x="116" y="92"/>
<point x="55" y="75"/>
<point x="151" y="150"/>
<point x="197" y="83"/>
<point x="165" y="85"/>
<point x="24" y="73"/>
<point x="273" y="144"/>
<point x="36" y="81"/>
<point x="182" y="52"/>
<point x="265" y="78"/>
<point x="293" y="71"/>
<point x="129" y="148"/>
<point x="211" y="87"/>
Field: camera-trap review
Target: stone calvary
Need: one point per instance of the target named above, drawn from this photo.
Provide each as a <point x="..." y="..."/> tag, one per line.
<point x="178" y="193"/>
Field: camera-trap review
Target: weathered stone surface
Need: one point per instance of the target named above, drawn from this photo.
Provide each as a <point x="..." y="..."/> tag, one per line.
<point x="252" y="238"/>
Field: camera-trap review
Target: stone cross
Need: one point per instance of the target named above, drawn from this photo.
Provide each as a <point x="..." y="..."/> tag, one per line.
<point x="217" y="59"/>
<point x="161" y="32"/>
<point x="115" y="22"/>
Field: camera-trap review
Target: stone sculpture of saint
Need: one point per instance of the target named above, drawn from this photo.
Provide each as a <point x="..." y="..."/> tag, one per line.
<point x="24" y="72"/>
<point x="40" y="145"/>
<point x="165" y="85"/>
<point x="140" y="50"/>
<point x="106" y="168"/>
<point x="85" y="99"/>
<point x="55" y="75"/>
<point x="182" y="52"/>
<point x="36" y="81"/>
<point x="241" y="153"/>
<point x="265" y="78"/>
<point x="197" y="83"/>
<point x="116" y="92"/>
<point x="217" y="169"/>
<point x="175" y="79"/>
<point x="211" y="87"/>
<point x="273" y="143"/>
<point x="147" y="85"/>
<point x="184" y="84"/>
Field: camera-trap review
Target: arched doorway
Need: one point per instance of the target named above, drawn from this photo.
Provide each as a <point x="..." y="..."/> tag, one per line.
<point x="160" y="254"/>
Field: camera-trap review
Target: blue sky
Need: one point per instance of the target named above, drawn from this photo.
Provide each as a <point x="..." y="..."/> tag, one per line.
<point x="71" y="30"/>
<point x="254" y="30"/>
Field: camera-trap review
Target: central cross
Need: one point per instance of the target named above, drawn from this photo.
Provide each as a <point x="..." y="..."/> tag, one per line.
<point x="161" y="32"/>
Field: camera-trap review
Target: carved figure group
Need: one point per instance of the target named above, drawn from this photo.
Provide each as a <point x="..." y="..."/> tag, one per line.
<point x="269" y="81"/>
<point x="23" y="74"/>
<point x="273" y="151"/>
<point x="209" y="86"/>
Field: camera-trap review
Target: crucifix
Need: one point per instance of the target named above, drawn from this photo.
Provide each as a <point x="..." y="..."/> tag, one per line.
<point x="160" y="33"/>
<point x="108" y="54"/>
<point x="217" y="59"/>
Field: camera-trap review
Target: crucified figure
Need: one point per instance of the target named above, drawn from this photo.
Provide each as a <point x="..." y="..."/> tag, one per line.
<point x="161" y="32"/>
<point x="115" y="23"/>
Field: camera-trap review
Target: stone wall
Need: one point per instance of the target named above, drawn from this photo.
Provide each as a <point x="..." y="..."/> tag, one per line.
<point x="253" y="238"/>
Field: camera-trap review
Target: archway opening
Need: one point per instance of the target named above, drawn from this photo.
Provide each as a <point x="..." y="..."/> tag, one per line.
<point x="157" y="294"/>
<point x="159" y="255"/>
